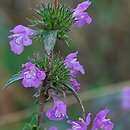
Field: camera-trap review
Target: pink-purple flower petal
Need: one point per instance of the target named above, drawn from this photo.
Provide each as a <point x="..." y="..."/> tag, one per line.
<point x="125" y="98"/>
<point x="83" y="6"/>
<point x="72" y="63"/>
<point x="80" y="125"/>
<point x="87" y="18"/>
<point x="27" y="41"/>
<point x="100" y="121"/>
<point x="32" y="76"/>
<point x="75" y="84"/>
<point x="82" y="17"/>
<point x="20" y="38"/>
<point x="58" y="112"/>
<point x="53" y="128"/>
<point x="16" y="48"/>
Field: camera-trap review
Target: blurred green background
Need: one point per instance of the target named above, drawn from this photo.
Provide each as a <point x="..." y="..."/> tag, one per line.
<point x="104" y="51"/>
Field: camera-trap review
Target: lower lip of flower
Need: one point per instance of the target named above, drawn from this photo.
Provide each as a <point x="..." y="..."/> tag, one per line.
<point x="19" y="38"/>
<point x="29" y="75"/>
<point x="76" y="126"/>
<point x="58" y="113"/>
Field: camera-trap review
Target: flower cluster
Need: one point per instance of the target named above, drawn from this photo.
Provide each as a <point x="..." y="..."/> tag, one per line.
<point x="33" y="77"/>
<point x="22" y="35"/>
<point x="100" y="122"/>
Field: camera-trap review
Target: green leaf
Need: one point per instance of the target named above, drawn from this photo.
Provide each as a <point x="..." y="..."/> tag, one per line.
<point x="49" y="39"/>
<point x="32" y="125"/>
<point x="13" y="79"/>
<point x="34" y="121"/>
<point x="27" y="127"/>
<point x="77" y="97"/>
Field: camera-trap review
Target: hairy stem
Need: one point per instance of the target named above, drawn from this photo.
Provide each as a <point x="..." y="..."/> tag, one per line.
<point x="55" y="5"/>
<point x="41" y="107"/>
<point x="42" y="97"/>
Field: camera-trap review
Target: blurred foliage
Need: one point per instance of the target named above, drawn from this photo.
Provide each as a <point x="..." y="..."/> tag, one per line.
<point x="103" y="51"/>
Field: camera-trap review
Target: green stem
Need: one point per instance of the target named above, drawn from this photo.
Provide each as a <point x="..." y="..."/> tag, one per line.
<point x="78" y="99"/>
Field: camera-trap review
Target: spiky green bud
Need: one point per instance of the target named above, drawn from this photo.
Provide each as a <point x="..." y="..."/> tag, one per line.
<point x="49" y="19"/>
<point x="57" y="73"/>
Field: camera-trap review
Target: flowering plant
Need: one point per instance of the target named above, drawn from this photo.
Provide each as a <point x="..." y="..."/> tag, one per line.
<point x="50" y="74"/>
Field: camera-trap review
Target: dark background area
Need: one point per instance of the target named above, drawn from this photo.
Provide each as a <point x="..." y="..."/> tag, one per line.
<point x="104" y="51"/>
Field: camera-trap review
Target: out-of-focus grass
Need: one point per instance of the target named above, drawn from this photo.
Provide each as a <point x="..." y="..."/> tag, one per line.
<point x="94" y="100"/>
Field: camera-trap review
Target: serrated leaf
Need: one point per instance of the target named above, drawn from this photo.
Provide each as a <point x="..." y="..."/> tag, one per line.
<point x="13" y="79"/>
<point x="77" y="97"/>
<point x="49" y="39"/>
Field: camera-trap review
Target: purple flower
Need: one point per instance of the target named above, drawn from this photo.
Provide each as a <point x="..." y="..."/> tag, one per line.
<point x="58" y="112"/>
<point x="74" y="66"/>
<point x="20" y="38"/>
<point x="100" y="121"/>
<point x="80" y="125"/>
<point x="72" y="63"/>
<point x="32" y="76"/>
<point x="75" y="84"/>
<point x="53" y="128"/>
<point x="125" y="98"/>
<point x="80" y="15"/>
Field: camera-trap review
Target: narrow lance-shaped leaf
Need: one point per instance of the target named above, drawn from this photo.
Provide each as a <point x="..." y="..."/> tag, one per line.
<point x="27" y="127"/>
<point x="77" y="97"/>
<point x="32" y="125"/>
<point x="34" y="120"/>
<point x="49" y="39"/>
<point x="13" y="79"/>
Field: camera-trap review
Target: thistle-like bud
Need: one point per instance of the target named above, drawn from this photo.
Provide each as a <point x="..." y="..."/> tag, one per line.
<point x="49" y="19"/>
